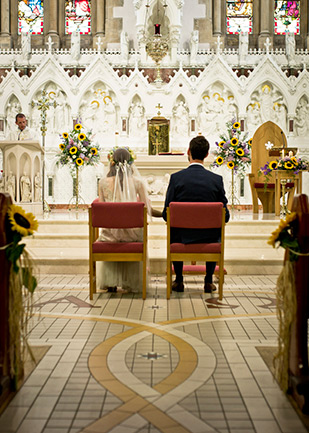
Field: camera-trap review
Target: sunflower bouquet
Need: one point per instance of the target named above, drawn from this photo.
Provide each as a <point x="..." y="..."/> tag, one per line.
<point x="234" y="150"/>
<point x="76" y="148"/>
<point x="290" y="163"/>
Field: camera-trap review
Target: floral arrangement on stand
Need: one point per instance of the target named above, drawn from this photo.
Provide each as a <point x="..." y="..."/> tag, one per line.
<point x="234" y="150"/>
<point x="289" y="163"/>
<point x="22" y="284"/>
<point x="77" y="150"/>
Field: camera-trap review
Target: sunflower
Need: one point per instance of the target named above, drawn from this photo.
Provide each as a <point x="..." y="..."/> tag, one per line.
<point x="73" y="150"/>
<point x="22" y="222"/>
<point x="236" y="125"/>
<point x="78" y="127"/>
<point x="294" y="160"/>
<point x="81" y="136"/>
<point x="282" y="225"/>
<point x="230" y="164"/>
<point x="94" y="151"/>
<point x="240" y="152"/>
<point x="288" y="165"/>
<point x="79" y="161"/>
<point x="219" y="160"/>
<point x="61" y="146"/>
<point x="273" y="165"/>
<point x="221" y="143"/>
<point x="234" y="141"/>
<point x="65" y="135"/>
<point x="250" y="142"/>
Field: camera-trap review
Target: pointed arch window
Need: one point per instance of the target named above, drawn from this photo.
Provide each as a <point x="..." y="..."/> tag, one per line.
<point x="287" y="17"/>
<point x="78" y="16"/>
<point x="239" y="16"/>
<point x="30" y="16"/>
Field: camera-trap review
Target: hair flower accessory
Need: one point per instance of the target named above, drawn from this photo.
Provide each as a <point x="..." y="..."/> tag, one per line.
<point x="110" y="155"/>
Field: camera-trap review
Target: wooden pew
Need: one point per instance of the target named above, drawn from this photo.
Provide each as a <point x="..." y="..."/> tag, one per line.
<point x="298" y="352"/>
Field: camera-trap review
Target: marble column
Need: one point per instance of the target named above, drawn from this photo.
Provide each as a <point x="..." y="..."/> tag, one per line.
<point x="217" y="31"/>
<point x="100" y="20"/>
<point x="5" y="37"/>
<point x="52" y="29"/>
<point x="265" y="31"/>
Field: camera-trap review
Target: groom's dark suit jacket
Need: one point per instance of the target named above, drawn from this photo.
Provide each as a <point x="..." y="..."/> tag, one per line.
<point x="195" y="184"/>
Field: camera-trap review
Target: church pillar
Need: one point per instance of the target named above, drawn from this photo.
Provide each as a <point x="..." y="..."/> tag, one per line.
<point x="217" y="31"/>
<point x="265" y="17"/>
<point x="5" y="37"/>
<point x="100" y="20"/>
<point x="52" y="22"/>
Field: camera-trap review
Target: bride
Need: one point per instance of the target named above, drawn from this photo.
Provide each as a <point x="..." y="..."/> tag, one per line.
<point x="122" y="183"/>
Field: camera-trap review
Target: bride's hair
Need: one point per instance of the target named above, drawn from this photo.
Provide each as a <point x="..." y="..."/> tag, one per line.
<point x="121" y="157"/>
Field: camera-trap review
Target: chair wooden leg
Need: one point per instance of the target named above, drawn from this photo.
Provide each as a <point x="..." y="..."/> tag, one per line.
<point x="221" y="279"/>
<point x="144" y="279"/>
<point x="168" y="279"/>
<point x="91" y="279"/>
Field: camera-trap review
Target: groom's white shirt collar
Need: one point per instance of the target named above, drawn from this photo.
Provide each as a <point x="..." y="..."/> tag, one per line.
<point x="196" y="163"/>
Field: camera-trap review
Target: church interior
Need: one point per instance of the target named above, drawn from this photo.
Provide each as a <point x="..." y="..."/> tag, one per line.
<point x="150" y="75"/>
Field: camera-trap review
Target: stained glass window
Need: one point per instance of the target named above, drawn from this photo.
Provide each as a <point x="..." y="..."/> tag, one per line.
<point x="30" y="16"/>
<point x="287" y="17"/>
<point x="239" y="16"/>
<point x="78" y="16"/>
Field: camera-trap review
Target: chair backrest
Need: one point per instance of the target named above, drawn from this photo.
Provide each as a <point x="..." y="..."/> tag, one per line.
<point x="195" y="215"/>
<point x="260" y="155"/>
<point x="117" y="215"/>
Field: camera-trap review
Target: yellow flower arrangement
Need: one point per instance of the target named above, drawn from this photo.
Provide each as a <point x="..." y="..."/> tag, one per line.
<point x="77" y="149"/>
<point x="233" y="149"/>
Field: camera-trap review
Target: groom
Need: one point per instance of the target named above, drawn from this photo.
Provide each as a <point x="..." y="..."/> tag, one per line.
<point x="195" y="184"/>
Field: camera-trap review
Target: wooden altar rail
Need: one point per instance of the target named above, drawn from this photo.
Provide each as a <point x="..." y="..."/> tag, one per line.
<point x="5" y="382"/>
<point x="298" y="355"/>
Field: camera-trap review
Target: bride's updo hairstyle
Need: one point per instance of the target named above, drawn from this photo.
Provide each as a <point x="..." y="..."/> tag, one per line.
<point x="119" y="158"/>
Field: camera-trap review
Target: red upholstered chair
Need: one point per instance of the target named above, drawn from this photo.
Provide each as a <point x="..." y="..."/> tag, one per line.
<point x="195" y="216"/>
<point x="116" y="216"/>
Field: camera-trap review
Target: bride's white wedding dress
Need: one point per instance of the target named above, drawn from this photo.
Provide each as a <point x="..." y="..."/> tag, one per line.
<point x="127" y="275"/>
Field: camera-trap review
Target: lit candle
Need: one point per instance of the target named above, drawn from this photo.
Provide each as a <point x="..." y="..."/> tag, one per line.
<point x="282" y="153"/>
<point x="116" y="138"/>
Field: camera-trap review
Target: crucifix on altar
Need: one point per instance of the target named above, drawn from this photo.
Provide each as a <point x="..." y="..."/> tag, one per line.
<point x="158" y="134"/>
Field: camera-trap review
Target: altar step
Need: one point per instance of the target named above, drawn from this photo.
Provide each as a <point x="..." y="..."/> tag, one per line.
<point x="61" y="246"/>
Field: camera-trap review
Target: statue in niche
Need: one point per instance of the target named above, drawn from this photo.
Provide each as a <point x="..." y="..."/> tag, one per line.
<point x="194" y="46"/>
<point x="26" y="45"/>
<point x="61" y="112"/>
<point x="37" y="187"/>
<point x="124" y="46"/>
<point x="280" y="115"/>
<point x="137" y="122"/>
<point x="11" y="185"/>
<point x="243" y="47"/>
<point x="253" y="116"/>
<point x="290" y="47"/>
<point x="267" y="97"/>
<point x="302" y="118"/>
<point x="90" y="116"/>
<point x="109" y="115"/>
<point x="230" y="109"/>
<point x="75" y="46"/>
<point x="12" y="109"/>
<point x="181" y="119"/>
<point x="25" y="188"/>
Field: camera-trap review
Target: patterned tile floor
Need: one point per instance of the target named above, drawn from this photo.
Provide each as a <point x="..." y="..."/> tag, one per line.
<point x="120" y="364"/>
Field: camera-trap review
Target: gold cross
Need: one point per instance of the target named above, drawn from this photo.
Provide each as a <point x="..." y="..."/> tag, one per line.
<point x="158" y="107"/>
<point x="157" y="144"/>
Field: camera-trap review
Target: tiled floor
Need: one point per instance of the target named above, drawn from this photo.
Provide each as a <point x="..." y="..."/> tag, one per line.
<point x="120" y="364"/>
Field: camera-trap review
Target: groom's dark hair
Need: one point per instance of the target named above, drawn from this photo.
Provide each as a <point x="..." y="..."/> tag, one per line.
<point x="199" y="147"/>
